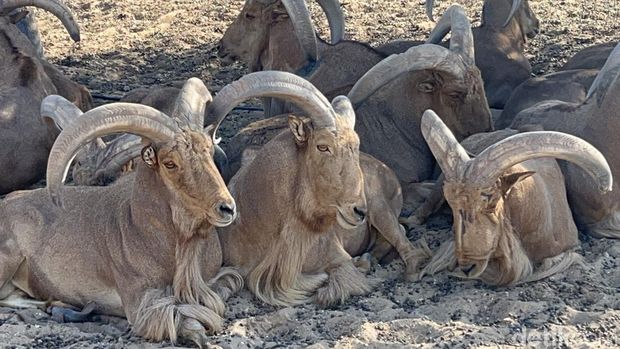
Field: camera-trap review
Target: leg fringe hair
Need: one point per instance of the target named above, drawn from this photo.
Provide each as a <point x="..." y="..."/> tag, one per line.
<point x="344" y="281"/>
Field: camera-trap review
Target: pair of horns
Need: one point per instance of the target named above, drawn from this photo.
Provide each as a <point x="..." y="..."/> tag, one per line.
<point x="281" y="85"/>
<point x="492" y="162"/>
<point x="137" y="119"/>
<point x="55" y="7"/>
<point x="516" y="4"/>
<point x="304" y="29"/>
<point x="453" y="61"/>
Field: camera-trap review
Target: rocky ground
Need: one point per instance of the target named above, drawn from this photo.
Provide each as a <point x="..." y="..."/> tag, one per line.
<point x="129" y="44"/>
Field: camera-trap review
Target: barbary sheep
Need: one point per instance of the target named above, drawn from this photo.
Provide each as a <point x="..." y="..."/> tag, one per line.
<point x="145" y="247"/>
<point x="511" y="219"/>
<point x="595" y="120"/>
<point x="277" y="34"/>
<point x="499" y="46"/>
<point x="310" y="179"/>
<point x="26" y="80"/>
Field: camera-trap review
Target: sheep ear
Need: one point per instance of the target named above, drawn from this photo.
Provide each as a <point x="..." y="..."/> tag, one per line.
<point x="298" y="128"/>
<point x="149" y="156"/>
<point x="507" y="182"/>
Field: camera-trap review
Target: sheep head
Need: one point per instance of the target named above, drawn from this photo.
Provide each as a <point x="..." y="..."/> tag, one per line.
<point x="477" y="189"/>
<point x="330" y="179"/>
<point x="329" y="163"/>
<point x="264" y="28"/>
<point x="441" y="79"/>
<point x="177" y="155"/>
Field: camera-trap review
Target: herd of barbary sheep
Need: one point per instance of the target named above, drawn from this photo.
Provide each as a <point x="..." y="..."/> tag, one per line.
<point x="162" y="225"/>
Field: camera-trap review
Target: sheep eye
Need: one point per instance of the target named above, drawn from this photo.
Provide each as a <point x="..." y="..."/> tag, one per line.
<point x="249" y="16"/>
<point x="426" y="87"/>
<point x="322" y="148"/>
<point x="170" y="165"/>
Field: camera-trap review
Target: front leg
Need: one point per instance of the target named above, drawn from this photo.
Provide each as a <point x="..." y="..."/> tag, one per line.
<point x="160" y="316"/>
<point x="386" y="223"/>
<point x="344" y="279"/>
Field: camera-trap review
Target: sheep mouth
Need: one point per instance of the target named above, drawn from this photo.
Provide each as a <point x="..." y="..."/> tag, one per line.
<point x="471" y="270"/>
<point x="221" y="221"/>
<point x="346" y="221"/>
<point x="227" y="58"/>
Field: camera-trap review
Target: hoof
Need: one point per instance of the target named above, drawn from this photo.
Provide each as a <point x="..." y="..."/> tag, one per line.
<point x="64" y="314"/>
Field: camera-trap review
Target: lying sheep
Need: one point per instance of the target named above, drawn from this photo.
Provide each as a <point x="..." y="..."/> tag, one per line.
<point x="145" y="247"/>
<point x="290" y="242"/>
<point x="511" y="218"/>
<point x="26" y="80"/>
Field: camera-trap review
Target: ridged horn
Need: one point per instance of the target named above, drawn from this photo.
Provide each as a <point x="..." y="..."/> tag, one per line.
<point x="462" y="39"/>
<point x="118" y="152"/>
<point x="275" y="84"/>
<point x="192" y="102"/>
<point x="111" y="118"/>
<point x="492" y="162"/>
<point x="416" y="58"/>
<point x="55" y="7"/>
<point x="450" y="155"/>
<point x="62" y="112"/>
<point x="302" y="22"/>
<point x="605" y="77"/>
<point x="513" y="9"/>
<point x="335" y="18"/>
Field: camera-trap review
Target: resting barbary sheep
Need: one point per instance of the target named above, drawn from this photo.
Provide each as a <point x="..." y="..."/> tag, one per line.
<point x="310" y="180"/>
<point x="509" y="206"/>
<point x="265" y="34"/>
<point x="26" y="80"/>
<point x="596" y="120"/>
<point x="499" y="44"/>
<point x="145" y="247"/>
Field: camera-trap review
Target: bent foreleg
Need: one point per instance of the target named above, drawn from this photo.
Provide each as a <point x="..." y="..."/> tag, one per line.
<point x="159" y="317"/>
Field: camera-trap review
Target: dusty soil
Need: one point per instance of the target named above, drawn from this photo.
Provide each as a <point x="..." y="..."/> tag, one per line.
<point x="128" y="44"/>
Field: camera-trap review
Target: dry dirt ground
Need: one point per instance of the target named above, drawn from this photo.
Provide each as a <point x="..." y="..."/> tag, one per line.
<point x="128" y="44"/>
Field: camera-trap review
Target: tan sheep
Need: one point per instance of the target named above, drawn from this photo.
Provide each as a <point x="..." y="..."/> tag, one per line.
<point x="145" y="247"/>
<point x="511" y="218"/>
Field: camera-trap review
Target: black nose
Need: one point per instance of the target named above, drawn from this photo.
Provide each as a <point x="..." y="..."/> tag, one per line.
<point x="360" y="212"/>
<point x="227" y="209"/>
<point x="467" y="269"/>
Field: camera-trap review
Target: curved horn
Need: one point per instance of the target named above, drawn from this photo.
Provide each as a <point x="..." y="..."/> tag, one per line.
<point x="450" y="155"/>
<point x="62" y="112"/>
<point x="416" y="58"/>
<point x="496" y="159"/>
<point x="335" y="17"/>
<point x="606" y="76"/>
<point x="55" y="7"/>
<point x="111" y="118"/>
<point x="117" y="153"/>
<point x="462" y="39"/>
<point x="192" y="102"/>
<point x="302" y="22"/>
<point x="272" y="84"/>
<point x="515" y="6"/>
<point x="429" y="9"/>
